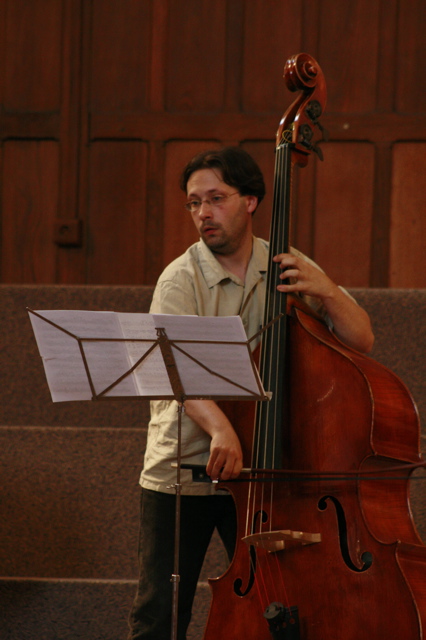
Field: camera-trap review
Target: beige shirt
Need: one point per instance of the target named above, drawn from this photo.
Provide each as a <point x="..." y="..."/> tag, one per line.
<point x="196" y="284"/>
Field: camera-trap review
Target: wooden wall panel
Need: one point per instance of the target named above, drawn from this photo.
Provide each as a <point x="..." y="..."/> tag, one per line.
<point x="348" y="54"/>
<point x="267" y="45"/>
<point x="409" y="70"/>
<point x="196" y="55"/>
<point x="153" y="80"/>
<point x="344" y="206"/>
<point x="116" y="223"/>
<point x="120" y="53"/>
<point x="33" y="62"/>
<point x="29" y="205"/>
<point x="71" y="256"/>
<point x="40" y="101"/>
<point x="408" y="219"/>
<point x="3" y="48"/>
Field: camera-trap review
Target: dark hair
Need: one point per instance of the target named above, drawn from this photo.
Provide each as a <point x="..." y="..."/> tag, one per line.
<point x="238" y="169"/>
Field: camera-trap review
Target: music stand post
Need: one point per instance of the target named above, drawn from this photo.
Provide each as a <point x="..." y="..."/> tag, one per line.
<point x="175" y="579"/>
<point x="179" y="394"/>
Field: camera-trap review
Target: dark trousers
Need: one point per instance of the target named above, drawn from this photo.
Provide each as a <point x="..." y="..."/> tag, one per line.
<point x="151" y="614"/>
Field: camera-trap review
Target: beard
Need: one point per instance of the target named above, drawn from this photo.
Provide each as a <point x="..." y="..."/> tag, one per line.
<point x="220" y="242"/>
<point x="217" y="242"/>
<point x="226" y="239"/>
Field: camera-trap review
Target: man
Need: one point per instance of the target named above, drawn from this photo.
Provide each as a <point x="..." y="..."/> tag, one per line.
<point x="223" y="274"/>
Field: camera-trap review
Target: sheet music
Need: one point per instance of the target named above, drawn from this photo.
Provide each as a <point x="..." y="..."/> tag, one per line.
<point x="228" y="360"/>
<point x="62" y="358"/>
<point x="206" y="350"/>
<point x="151" y="377"/>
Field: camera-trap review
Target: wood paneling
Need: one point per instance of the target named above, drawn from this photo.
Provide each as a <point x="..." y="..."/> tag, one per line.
<point x="344" y="211"/>
<point x="116" y="224"/>
<point x="33" y="32"/>
<point x="120" y="53"/>
<point x="196" y="60"/>
<point x="267" y="45"/>
<point x="29" y="205"/>
<point x="410" y="94"/>
<point x="115" y="96"/>
<point x="408" y="220"/>
<point x="71" y="259"/>
<point x="348" y="54"/>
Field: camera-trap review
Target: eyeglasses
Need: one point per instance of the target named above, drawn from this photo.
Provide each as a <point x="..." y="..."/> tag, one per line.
<point x="216" y="201"/>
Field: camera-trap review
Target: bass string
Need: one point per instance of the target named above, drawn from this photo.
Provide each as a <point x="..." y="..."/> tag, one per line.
<point x="273" y="365"/>
<point x="268" y="445"/>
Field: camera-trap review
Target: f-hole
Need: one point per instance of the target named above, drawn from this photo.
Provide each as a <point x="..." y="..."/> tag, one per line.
<point x="366" y="557"/>
<point x="262" y="515"/>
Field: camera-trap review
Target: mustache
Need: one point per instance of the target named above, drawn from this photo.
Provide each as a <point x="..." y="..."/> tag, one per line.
<point x="209" y="225"/>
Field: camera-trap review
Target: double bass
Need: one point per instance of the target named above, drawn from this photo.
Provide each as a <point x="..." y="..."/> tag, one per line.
<point x="326" y="546"/>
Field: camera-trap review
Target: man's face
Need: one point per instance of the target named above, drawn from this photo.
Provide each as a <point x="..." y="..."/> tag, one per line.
<point x="224" y="227"/>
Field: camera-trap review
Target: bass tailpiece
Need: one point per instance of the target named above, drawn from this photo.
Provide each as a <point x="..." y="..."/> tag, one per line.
<point x="283" y="621"/>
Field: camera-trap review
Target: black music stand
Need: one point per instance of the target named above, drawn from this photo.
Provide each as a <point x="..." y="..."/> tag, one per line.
<point x="180" y="358"/>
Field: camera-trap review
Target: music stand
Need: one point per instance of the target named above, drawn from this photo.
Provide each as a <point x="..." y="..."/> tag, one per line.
<point x="65" y="337"/>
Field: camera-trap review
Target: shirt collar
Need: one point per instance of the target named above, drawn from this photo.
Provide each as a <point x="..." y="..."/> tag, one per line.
<point x="215" y="273"/>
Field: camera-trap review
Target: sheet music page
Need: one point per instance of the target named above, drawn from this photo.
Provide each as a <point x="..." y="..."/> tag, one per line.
<point x="151" y="375"/>
<point x="214" y="366"/>
<point x="62" y="358"/>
